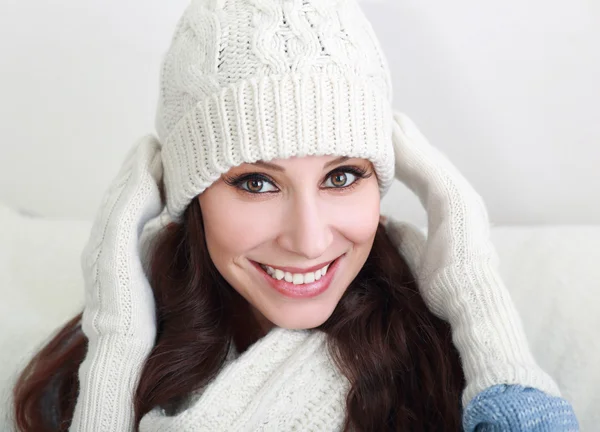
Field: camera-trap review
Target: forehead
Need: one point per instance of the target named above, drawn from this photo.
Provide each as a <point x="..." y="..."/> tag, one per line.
<point x="319" y="162"/>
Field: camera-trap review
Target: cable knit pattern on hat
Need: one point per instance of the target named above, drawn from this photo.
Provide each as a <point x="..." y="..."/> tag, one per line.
<point x="249" y="80"/>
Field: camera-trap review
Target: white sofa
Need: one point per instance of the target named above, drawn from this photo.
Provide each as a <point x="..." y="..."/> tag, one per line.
<point x="553" y="273"/>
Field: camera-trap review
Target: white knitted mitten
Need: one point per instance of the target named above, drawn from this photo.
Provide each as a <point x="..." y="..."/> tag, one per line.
<point x="458" y="268"/>
<point x="119" y="315"/>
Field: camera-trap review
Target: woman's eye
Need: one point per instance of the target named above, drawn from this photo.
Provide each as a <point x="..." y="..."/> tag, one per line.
<point x="257" y="185"/>
<point x="340" y="179"/>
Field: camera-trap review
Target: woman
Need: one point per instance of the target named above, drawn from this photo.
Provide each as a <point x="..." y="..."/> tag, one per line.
<point x="238" y="276"/>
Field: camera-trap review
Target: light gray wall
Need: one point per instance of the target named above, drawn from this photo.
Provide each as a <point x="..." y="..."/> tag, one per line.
<point x="509" y="90"/>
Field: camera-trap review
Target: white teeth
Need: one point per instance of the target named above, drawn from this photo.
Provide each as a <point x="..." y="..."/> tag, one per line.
<point x="296" y="278"/>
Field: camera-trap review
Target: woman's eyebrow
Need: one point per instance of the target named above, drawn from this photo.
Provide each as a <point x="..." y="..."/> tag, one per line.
<point x="269" y="165"/>
<point x="282" y="169"/>
<point x="336" y="161"/>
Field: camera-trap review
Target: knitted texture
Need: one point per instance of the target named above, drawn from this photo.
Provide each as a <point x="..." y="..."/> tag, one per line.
<point x="285" y="381"/>
<point x="517" y="408"/>
<point x="249" y="80"/>
<point x="458" y="269"/>
<point x="288" y="382"/>
<point x="119" y="316"/>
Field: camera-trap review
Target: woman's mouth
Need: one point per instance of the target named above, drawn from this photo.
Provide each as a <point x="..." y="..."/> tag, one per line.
<point x="300" y="285"/>
<point x="295" y="278"/>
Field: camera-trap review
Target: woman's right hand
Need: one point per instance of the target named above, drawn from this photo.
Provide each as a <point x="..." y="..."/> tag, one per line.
<point x="119" y="315"/>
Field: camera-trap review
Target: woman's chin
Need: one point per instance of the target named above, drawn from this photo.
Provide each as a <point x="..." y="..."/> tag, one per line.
<point x="299" y="320"/>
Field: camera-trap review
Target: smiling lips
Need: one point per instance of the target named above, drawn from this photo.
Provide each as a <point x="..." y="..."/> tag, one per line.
<point x="291" y="275"/>
<point x="300" y="285"/>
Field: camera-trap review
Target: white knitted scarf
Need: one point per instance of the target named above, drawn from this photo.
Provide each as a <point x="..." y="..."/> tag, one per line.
<point x="286" y="381"/>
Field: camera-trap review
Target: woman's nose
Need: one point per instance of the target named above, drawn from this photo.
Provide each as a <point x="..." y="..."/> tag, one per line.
<point x="306" y="230"/>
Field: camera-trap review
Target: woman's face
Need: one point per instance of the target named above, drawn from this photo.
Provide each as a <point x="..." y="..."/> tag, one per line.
<point x="271" y="227"/>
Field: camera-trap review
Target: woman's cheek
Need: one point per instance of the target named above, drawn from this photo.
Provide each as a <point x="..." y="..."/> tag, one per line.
<point x="357" y="217"/>
<point x="240" y="226"/>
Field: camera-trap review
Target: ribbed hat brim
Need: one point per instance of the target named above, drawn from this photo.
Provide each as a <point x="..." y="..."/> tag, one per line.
<point x="277" y="116"/>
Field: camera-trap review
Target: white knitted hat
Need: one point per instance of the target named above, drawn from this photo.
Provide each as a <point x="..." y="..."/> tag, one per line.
<point x="249" y="80"/>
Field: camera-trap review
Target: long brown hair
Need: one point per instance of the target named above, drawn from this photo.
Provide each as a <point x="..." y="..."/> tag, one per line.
<point x="404" y="371"/>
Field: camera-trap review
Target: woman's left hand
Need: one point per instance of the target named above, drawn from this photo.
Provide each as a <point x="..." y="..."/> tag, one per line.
<point x="457" y="268"/>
